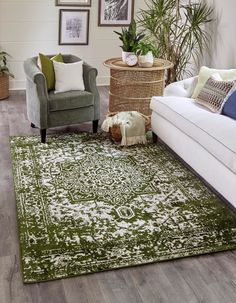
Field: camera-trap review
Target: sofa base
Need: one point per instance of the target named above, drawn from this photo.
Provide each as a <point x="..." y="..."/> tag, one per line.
<point x="206" y="165"/>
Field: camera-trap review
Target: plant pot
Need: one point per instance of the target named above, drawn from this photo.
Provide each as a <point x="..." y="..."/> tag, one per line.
<point x="146" y="60"/>
<point x="125" y="54"/>
<point x="4" y="86"/>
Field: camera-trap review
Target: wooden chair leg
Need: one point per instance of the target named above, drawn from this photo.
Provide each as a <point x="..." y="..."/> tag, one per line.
<point x="43" y="133"/>
<point x="95" y="126"/>
<point x="154" y="137"/>
<point x="32" y="125"/>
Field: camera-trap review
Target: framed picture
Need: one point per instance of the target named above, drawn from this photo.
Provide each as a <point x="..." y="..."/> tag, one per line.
<point x="73" y="2"/>
<point x="115" y="13"/>
<point x="73" y="27"/>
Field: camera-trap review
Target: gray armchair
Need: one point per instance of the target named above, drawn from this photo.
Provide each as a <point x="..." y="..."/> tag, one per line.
<point x="46" y="109"/>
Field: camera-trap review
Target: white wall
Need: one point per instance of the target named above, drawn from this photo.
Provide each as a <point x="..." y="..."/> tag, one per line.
<point x="31" y="26"/>
<point x="28" y="27"/>
<point x="223" y="50"/>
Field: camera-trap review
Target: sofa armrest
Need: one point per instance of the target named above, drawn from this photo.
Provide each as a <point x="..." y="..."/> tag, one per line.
<point x="183" y="88"/>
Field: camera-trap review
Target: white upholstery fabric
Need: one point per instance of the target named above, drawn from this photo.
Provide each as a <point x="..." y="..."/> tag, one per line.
<point x="216" y="133"/>
<point x="206" y="72"/>
<point x="69" y="76"/>
<point x="182" y="88"/>
<point x="204" y="163"/>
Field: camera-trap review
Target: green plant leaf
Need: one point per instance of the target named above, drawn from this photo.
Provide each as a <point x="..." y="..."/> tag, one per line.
<point x="178" y="30"/>
<point x="130" y="37"/>
<point x="3" y="63"/>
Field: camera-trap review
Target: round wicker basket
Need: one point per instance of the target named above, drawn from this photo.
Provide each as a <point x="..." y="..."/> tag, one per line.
<point x="4" y="86"/>
<point x="115" y="132"/>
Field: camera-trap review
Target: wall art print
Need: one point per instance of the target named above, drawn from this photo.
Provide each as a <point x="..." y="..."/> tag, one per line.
<point x="73" y="2"/>
<point x="115" y="13"/>
<point x="73" y="27"/>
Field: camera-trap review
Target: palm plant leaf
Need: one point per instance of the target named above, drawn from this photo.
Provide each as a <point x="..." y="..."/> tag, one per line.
<point x="178" y="29"/>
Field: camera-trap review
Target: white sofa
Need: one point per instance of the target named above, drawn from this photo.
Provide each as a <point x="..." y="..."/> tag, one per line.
<point x="204" y="140"/>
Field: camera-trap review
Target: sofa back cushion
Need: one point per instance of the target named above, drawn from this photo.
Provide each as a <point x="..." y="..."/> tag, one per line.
<point x="214" y="93"/>
<point x="206" y="72"/>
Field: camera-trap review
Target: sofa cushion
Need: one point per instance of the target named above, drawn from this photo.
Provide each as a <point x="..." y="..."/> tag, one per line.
<point x="206" y="72"/>
<point x="216" y="133"/>
<point x="70" y="100"/>
<point x="46" y="65"/>
<point x="229" y="108"/>
<point x="214" y="93"/>
<point x="69" y="76"/>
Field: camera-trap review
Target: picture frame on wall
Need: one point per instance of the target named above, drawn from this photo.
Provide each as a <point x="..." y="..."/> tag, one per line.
<point x="73" y="2"/>
<point x="73" y="27"/>
<point x="115" y="13"/>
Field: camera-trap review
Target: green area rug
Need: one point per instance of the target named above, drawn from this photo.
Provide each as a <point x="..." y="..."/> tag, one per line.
<point x="86" y="205"/>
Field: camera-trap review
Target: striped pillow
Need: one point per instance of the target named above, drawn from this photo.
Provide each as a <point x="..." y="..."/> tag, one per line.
<point x="214" y="92"/>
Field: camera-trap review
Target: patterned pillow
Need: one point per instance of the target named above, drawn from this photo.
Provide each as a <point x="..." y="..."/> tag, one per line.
<point x="214" y="93"/>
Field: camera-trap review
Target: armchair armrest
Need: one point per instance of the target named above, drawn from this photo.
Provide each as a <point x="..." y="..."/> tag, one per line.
<point x="33" y="73"/>
<point x="183" y="88"/>
<point x="36" y="94"/>
<point x="90" y="75"/>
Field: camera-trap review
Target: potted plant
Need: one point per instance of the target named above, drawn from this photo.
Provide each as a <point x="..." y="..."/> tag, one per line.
<point x="130" y="38"/>
<point x="4" y="76"/>
<point x="179" y="29"/>
<point x="146" y="52"/>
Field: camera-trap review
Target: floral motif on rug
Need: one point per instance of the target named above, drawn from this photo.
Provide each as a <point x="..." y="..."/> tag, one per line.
<point x="86" y="204"/>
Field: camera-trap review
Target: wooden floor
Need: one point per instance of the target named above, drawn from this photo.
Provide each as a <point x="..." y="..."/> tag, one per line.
<point x="208" y="278"/>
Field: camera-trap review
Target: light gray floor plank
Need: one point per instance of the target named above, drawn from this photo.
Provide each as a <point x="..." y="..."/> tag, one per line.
<point x="52" y="291"/>
<point x="116" y="289"/>
<point x="84" y="289"/>
<point x="205" y="279"/>
<point x="12" y="289"/>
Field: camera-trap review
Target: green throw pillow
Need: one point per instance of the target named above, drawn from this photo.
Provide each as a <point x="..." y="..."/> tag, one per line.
<point x="48" y="69"/>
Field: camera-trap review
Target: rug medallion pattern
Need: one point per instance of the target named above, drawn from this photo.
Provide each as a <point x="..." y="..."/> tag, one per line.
<point x="86" y="204"/>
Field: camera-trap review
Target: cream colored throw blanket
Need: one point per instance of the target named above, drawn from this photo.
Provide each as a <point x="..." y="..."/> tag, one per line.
<point x="132" y="127"/>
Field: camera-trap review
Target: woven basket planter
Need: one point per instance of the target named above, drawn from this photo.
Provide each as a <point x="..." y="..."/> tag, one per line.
<point x="131" y="88"/>
<point x="4" y="86"/>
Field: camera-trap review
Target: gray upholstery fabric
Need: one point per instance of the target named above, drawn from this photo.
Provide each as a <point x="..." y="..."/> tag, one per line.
<point x="71" y="116"/>
<point x="47" y="110"/>
<point x="70" y="100"/>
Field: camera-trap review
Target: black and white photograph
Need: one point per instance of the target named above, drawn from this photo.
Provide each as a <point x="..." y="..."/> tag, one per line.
<point x="73" y="27"/>
<point x="115" y="13"/>
<point x="73" y="2"/>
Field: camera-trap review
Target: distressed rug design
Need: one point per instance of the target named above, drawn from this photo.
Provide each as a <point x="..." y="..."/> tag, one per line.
<point x="86" y="205"/>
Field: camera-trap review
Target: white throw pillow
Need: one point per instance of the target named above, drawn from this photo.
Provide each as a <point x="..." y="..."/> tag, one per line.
<point x="69" y="76"/>
<point x="206" y="72"/>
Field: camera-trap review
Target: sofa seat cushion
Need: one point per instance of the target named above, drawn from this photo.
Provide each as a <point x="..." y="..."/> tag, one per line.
<point x="216" y="133"/>
<point x="70" y="100"/>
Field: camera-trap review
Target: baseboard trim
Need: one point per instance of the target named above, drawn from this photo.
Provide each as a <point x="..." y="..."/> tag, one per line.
<point x="21" y="84"/>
